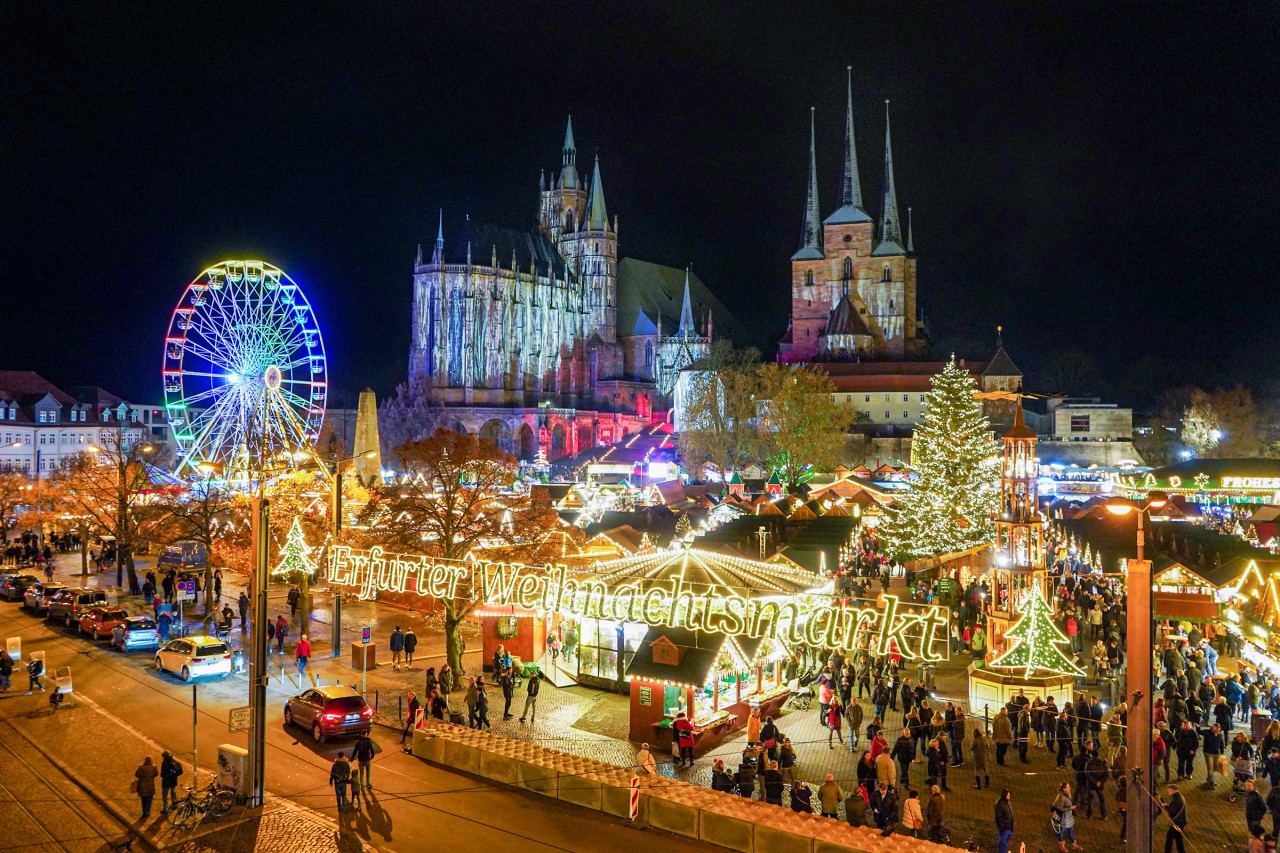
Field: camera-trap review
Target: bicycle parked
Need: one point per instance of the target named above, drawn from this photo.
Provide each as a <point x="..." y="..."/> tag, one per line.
<point x="191" y="809"/>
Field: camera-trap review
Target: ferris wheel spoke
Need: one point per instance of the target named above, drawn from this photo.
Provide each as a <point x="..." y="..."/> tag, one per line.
<point x="204" y="395"/>
<point x="204" y="424"/>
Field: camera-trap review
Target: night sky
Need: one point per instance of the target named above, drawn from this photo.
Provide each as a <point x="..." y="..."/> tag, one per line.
<point x="1099" y="177"/>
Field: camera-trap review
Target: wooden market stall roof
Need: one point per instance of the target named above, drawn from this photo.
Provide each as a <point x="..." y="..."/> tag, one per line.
<point x="705" y="571"/>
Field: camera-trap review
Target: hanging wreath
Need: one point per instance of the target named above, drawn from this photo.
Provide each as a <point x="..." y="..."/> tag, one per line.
<point x="508" y="627"/>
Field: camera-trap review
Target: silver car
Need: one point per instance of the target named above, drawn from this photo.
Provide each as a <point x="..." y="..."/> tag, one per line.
<point x="38" y="596"/>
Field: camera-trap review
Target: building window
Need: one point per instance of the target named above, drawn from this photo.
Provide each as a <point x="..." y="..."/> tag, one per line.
<point x="905" y="416"/>
<point x="906" y="398"/>
<point x="921" y="398"/>
<point x="44" y="417"/>
<point x="13" y="413"/>
<point x="887" y="398"/>
<point x="1079" y="423"/>
<point x="887" y="416"/>
<point x="808" y="278"/>
<point x="868" y="400"/>
<point x="887" y="275"/>
<point x="648" y="356"/>
<point x="848" y="269"/>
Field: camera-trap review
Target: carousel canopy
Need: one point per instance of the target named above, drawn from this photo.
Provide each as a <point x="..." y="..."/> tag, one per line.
<point x="705" y="572"/>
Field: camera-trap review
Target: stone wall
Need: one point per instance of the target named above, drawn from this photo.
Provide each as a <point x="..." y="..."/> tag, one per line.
<point x="732" y="822"/>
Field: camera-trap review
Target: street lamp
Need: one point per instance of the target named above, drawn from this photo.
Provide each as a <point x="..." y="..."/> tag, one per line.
<point x="1138" y="679"/>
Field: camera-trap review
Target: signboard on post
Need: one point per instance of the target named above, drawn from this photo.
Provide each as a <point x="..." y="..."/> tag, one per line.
<point x="366" y="635"/>
<point x="238" y="719"/>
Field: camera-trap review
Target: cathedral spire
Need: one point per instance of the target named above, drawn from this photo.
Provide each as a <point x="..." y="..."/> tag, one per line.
<point x="890" y="226"/>
<point x="811" y="247"/>
<point x="437" y="257"/>
<point x="686" y="311"/>
<point x="569" y="160"/>
<point x="911" y="240"/>
<point x="597" y="216"/>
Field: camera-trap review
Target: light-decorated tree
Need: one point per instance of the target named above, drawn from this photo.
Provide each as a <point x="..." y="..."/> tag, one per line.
<point x="295" y="556"/>
<point x="1035" y="641"/>
<point x="952" y="502"/>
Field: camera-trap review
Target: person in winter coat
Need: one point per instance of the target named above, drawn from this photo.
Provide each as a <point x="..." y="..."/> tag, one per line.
<point x="302" y="654"/>
<point x="801" y="798"/>
<point x="470" y="699"/>
<point x="753" y="726"/>
<point x="1255" y="808"/>
<point x="888" y="808"/>
<point x="683" y="732"/>
<point x="362" y="753"/>
<point x="1186" y="742"/>
<point x="787" y="761"/>
<point x="769" y="736"/>
<point x="1004" y="820"/>
<point x="1003" y="728"/>
<point x="934" y="811"/>
<point x="34" y="670"/>
<point x="144" y="784"/>
<point x="531" y="698"/>
<point x="6" y="671"/>
<point x="835" y="722"/>
<point x="644" y="760"/>
<point x="243" y="604"/>
<point x="446" y="681"/>
<point x="1176" y="810"/>
<point x="397" y="649"/>
<point x="507" y="681"/>
<point x="933" y="763"/>
<point x="853" y="714"/>
<point x="410" y="643"/>
<point x="773" y="784"/>
<point x="720" y="778"/>
<point x="829" y="797"/>
<point x="295" y="596"/>
<point x="904" y="752"/>
<point x="912" y="814"/>
<point x="980" y="749"/>
<point x="1062" y="736"/>
<point x="411" y="717"/>
<point x="482" y="707"/>
<point x="170" y="770"/>
<point x="436" y="705"/>
<point x="1065" y="808"/>
<point x="339" y="778"/>
<point x="282" y="631"/>
<point x="887" y="771"/>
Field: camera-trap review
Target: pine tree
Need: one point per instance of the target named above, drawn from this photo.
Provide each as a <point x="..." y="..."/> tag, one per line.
<point x="952" y="502"/>
<point x="1036" y="640"/>
<point x="684" y="527"/>
<point x="295" y="556"/>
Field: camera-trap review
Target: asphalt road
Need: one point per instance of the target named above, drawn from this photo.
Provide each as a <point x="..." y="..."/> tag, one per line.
<point x="416" y="804"/>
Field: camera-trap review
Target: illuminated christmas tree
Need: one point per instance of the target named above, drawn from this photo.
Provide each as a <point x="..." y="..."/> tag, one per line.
<point x="1035" y="640"/>
<point x="952" y="502"/>
<point x="295" y="556"/>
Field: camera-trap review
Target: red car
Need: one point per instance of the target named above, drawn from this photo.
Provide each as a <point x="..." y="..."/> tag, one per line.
<point x="98" y="622"/>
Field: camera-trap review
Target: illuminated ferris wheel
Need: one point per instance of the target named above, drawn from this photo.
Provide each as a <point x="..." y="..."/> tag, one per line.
<point x="245" y="376"/>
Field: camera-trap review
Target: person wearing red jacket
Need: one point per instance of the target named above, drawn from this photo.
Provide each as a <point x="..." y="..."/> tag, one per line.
<point x="683" y="731"/>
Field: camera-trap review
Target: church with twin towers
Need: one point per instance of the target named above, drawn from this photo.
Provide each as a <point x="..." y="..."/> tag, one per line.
<point x="853" y="279"/>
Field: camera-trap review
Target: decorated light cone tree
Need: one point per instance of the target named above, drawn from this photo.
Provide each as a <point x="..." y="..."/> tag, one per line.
<point x="952" y="502"/>
<point x="1034" y="641"/>
<point x="295" y="556"/>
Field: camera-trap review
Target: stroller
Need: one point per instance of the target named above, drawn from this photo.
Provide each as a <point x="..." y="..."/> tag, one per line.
<point x="800" y="696"/>
<point x="1243" y="771"/>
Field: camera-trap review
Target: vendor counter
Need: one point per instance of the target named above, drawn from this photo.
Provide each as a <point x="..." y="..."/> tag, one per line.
<point x="651" y="721"/>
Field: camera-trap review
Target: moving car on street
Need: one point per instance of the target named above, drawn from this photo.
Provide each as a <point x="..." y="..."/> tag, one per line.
<point x="36" y="598"/>
<point x="98" y="622"/>
<point x="70" y="604"/>
<point x="135" y="632"/>
<point x="12" y="587"/>
<point x="329" y="712"/>
<point x="194" y="657"/>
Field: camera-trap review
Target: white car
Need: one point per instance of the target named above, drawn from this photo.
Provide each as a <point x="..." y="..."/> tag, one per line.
<point x="194" y="657"/>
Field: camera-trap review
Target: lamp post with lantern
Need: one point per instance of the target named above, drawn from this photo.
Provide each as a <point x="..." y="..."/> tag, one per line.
<point x="1138" y="677"/>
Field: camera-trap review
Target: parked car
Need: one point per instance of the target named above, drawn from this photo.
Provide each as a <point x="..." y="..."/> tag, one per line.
<point x="329" y="712"/>
<point x="12" y="587"/>
<point x="100" y="621"/>
<point x="37" y="596"/>
<point x="135" y="632"/>
<point x="70" y="604"/>
<point x="194" y="657"/>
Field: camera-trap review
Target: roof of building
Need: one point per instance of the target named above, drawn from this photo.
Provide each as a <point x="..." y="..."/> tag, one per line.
<point x="26" y="387"/>
<point x="1215" y="469"/>
<point x="1019" y="428"/>
<point x="845" y="320"/>
<point x="697" y="655"/>
<point x="648" y="292"/>
<point x="1001" y="365"/>
<point x="485" y="239"/>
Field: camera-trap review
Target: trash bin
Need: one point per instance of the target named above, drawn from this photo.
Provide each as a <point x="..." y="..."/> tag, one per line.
<point x="1258" y="723"/>
<point x="926" y="672"/>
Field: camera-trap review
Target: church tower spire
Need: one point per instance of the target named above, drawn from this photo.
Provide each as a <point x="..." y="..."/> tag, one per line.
<point x="437" y="257"/>
<point x="911" y="240"/>
<point x="597" y="216"/>
<point x="686" y="311"/>
<point x="569" y="159"/>
<point x="851" y="205"/>
<point x="811" y="245"/>
<point x="890" y="225"/>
